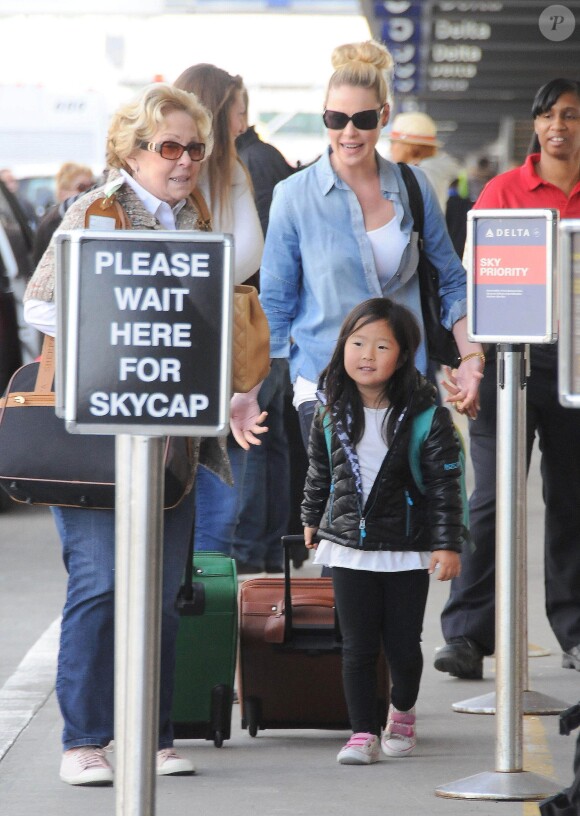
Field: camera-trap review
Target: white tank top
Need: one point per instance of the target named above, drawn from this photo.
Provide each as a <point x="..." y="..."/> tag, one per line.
<point x="388" y="244"/>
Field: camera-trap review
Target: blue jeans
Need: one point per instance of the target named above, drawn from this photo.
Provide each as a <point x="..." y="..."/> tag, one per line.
<point x="217" y="504"/>
<point x="85" y="673"/>
<point x="265" y="495"/>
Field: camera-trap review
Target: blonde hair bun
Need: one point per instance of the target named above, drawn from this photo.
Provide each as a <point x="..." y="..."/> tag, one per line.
<point x="370" y="52"/>
<point x="363" y="65"/>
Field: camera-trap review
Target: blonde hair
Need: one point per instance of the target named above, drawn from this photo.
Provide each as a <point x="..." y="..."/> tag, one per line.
<point x="217" y="90"/>
<point x="363" y="65"/>
<point x="139" y="119"/>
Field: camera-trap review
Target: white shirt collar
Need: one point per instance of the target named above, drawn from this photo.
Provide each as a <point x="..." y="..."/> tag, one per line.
<point x="163" y="212"/>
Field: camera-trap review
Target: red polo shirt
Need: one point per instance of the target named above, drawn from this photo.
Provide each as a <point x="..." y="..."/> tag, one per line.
<point x="523" y="188"/>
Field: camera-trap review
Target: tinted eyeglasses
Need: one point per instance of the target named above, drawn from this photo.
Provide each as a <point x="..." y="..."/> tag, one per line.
<point x="362" y="120"/>
<point x="174" y="150"/>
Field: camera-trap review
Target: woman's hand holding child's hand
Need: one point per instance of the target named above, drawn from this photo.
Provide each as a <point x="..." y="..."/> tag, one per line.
<point x="462" y="385"/>
<point x="448" y="562"/>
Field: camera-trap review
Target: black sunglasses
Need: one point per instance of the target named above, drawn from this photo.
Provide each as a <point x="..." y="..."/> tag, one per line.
<point x="363" y="120"/>
<point x="174" y="150"/>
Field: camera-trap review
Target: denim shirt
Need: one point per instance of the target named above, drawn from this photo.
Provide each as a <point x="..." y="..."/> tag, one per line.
<point x="318" y="262"/>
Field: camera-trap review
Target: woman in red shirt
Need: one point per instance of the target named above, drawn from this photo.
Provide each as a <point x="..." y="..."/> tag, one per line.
<point x="548" y="179"/>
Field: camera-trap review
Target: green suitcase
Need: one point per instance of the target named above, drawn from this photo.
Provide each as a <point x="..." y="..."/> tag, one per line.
<point x="206" y="650"/>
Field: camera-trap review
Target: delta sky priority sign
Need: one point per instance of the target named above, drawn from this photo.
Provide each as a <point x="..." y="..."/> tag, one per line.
<point x="510" y="280"/>
<point x="144" y="332"/>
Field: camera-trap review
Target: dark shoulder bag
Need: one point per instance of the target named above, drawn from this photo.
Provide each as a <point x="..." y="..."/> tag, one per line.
<point x="441" y="346"/>
<point x="42" y="463"/>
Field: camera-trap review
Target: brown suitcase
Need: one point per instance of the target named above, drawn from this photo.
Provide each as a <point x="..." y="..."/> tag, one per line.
<point x="289" y="670"/>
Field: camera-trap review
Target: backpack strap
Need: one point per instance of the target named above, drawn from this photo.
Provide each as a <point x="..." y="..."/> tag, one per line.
<point x="415" y="199"/>
<point x="326" y="425"/>
<point x="419" y="432"/>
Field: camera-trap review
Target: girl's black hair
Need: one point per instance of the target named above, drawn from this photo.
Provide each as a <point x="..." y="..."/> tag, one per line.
<point x="341" y="391"/>
<point x="549" y="94"/>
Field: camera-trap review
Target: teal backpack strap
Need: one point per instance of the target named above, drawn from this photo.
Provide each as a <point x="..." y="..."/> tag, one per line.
<point x="419" y="433"/>
<point x="326" y="425"/>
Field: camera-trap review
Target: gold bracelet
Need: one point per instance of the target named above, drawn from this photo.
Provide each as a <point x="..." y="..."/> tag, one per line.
<point x="473" y="354"/>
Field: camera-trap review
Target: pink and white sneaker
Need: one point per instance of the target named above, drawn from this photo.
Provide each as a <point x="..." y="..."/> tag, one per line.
<point x="399" y="737"/>
<point x="361" y="749"/>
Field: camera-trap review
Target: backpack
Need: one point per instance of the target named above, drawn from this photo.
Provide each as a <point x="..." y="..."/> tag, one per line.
<point x="419" y="433"/>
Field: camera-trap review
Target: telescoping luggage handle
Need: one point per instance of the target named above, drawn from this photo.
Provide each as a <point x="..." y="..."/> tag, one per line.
<point x="191" y="597"/>
<point x="287" y="543"/>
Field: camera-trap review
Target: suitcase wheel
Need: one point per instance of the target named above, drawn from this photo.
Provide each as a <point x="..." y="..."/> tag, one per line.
<point x="252" y="715"/>
<point x="218" y="739"/>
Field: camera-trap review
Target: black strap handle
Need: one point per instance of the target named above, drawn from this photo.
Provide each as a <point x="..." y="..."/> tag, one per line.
<point x="415" y="199"/>
<point x="287" y="542"/>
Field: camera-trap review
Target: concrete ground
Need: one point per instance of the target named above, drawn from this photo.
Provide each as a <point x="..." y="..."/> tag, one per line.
<point x="278" y="772"/>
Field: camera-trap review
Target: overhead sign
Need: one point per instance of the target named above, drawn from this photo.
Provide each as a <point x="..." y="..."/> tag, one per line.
<point x="510" y="292"/>
<point x="144" y="332"/>
<point x="569" y="339"/>
<point x="480" y="47"/>
<point x="401" y="31"/>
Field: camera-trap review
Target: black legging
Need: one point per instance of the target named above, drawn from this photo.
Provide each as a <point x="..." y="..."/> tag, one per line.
<point x="373" y="606"/>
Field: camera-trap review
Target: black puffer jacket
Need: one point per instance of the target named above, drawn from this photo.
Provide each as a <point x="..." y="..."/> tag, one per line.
<point x="396" y="516"/>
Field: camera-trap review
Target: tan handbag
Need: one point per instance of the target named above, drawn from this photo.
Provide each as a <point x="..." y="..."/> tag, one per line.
<point x="251" y="351"/>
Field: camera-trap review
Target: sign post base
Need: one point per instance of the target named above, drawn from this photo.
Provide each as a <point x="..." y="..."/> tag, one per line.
<point x="520" y="786"/>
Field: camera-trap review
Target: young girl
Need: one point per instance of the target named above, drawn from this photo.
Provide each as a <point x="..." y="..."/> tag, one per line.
<point x="381" y="535"/>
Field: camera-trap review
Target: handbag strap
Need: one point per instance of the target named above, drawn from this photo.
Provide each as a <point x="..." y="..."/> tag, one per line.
<point x="45" y="376"/>
<point x="415" y="199"/>
<point x="203" y="213"/>
<point x="43" y="394"/>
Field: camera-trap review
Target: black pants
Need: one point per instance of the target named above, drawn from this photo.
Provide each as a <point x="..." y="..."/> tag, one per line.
<point x="374" y="607"/>
<point x="470" y="610"/>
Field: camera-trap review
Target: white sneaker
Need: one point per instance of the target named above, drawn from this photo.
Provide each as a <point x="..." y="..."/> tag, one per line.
<point x="169" y="763"/>
<point x="86" y="765"/>
<point x="399" y="737"/>
<point x="361" y="749"/>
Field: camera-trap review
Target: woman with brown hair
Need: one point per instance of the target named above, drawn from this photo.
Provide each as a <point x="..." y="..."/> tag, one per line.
<point x="227" y="189"/>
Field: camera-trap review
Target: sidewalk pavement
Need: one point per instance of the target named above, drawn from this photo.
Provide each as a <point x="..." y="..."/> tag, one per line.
<point x="278" y="772"/>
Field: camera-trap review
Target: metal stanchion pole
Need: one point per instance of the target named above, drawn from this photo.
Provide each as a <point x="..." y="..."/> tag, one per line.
<point x="533" y="702"/>
<point x="138" y="582"/>
<point x="508" y="781"/>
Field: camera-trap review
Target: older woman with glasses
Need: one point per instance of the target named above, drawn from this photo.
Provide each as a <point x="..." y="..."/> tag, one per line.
<point x="155" y="148"/>
<point x="341" y="231"/>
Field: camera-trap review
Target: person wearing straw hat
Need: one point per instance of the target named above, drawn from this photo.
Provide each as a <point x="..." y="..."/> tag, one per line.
<point x="413" y="139"/>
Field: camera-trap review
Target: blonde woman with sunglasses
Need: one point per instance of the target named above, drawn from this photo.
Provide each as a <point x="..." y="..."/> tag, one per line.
<point x="341" y="231"/>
